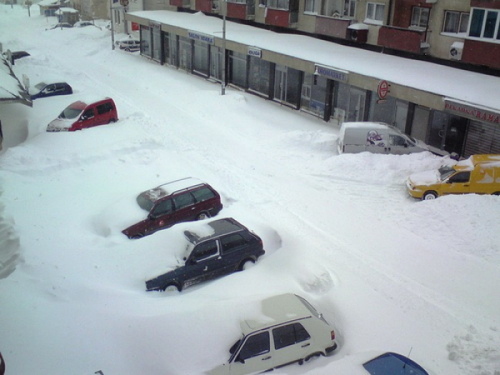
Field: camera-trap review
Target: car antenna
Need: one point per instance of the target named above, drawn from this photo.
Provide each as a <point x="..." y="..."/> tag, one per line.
<point x="411" y="348"/>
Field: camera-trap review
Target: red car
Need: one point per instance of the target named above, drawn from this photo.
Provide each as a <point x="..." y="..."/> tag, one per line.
<point x="85" y="114"/>
<point x="187" y="199"/>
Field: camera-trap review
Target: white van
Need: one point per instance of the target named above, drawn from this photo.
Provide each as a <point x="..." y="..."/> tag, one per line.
<point x="289" y="330"/>
<point x="380" y="138"/>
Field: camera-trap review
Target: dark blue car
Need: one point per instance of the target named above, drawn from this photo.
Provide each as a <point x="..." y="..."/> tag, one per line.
<point x="230" y="247"/>
<point x="393" y="364"/>
<point x="43" y="90"/>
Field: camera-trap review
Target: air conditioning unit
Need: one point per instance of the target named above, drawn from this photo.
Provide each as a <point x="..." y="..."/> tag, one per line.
<point x="456" y="50"/>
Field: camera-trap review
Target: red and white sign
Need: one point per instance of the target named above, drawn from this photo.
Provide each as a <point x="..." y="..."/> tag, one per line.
<point x="383" y="89"/>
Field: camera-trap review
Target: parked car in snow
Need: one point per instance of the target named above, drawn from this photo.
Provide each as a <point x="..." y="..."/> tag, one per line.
<point x="45" y="89"/>
<point x="289" y="330"/>
<point x="61" y="25"/>
<point x="479" y="174"/>
<point x="379" y="138"/>
<point x="130" y="45"/>
<point x="12" y="56"/>
<point x="187" y="199"/>
<point x="85" y="114"/>
<point x="215" y="249"/>
<point x="83" y="24"/>
<point x="393" y="364"/>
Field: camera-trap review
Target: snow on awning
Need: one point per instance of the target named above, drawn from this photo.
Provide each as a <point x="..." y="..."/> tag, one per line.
<point x="358" y="26"/>
<point x="11" y="89"/>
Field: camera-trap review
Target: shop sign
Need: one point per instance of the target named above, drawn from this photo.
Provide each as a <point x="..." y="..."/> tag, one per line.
<point x="255" y="52"/>
<point x="383" y="89"/>
<point x="201" y="37"/>
<point x="472" y="113"/>
<point x="335" y="74"/>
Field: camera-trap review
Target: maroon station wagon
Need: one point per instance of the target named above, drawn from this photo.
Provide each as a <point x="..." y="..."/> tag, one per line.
<point x="187" y="199"/>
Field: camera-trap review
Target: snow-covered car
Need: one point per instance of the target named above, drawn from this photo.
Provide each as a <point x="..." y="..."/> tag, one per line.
<point x="83" y="24"/>
<point x="187" y="199"/>
<point x="62" y="25"/>
<point x="85" y="114"/>
<point x="213" y="249"/>
<point x="2" y="365"/>
<point x="393" y="364"/>
<point x="45" y="89"/>
<point x="130" y="45"/>
<point x="289" y="329"/>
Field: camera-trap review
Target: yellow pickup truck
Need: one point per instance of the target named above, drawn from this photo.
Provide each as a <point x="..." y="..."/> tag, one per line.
<point x="479" y="174"/>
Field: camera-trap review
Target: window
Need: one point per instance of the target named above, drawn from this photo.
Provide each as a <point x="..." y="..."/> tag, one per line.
<point x="419" y="17"/>
<point x="205" y="250"/>
<point x="455" y="22"/>
<point x="203" y="194"/>
<point x="162" y="208"/>
<point x="350" y="8"/>
<point x="183" y="200"/>
<point x="89" y="113"/>
<point x="255" y="345"/>
<point x="232" y="242"/>
<point x="310" y="6"/>
<point x="461" y="178"/>
<point x="278" y="4"/>
<point x="485" y="24"/>
<point x="396" y="140"/>
<point x="289" y="335"/>
<point x="375" y="12"/>
<point x="104" y="108"/>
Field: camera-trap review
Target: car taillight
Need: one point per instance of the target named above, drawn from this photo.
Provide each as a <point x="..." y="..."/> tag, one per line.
<point x="332" y="334"/>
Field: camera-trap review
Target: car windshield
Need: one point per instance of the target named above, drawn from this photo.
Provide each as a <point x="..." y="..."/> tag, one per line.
<point x="70" y="113"/>
<point x="144" y="202"/>
<point x="445" y="172"/>
<point x="40" y="86"/>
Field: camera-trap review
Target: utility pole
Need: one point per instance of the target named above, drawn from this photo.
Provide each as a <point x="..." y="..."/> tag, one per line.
<point x="112" y="25"/>
<point x="223" y="82"/>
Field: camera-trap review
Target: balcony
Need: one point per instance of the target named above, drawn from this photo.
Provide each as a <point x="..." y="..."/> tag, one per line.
<point x="207" y="6"/>
<point x="281" y="18"/>
<point x="241" y="11"/>
<point x="402" y="39"/>
<point x="334" y="27"/>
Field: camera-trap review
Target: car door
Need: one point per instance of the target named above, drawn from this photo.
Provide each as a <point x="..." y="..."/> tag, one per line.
<point x="234" y="249"/>
<point x="203" y="263"/>
<point x="254" y="355"/>
<point x="291" y="343"/>
<point x="184" y="207"/>
<point x="87" y="119"/>
<point x="161" y="215"/>
<point x="459" y="183"/>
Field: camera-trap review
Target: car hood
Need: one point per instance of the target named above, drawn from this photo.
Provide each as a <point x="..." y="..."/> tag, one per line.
<point x="117" y="216"/>
<point x="60" y="124"/>
<point x="424" y="178"/>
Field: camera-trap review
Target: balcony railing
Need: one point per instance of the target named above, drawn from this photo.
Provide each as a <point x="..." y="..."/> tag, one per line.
<point x="402" y="39"/>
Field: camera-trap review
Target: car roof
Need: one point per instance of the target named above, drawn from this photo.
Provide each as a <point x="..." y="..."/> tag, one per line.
<point x="277" y="310"/>
<point x="213" y="229"/>
<point x="173" y="186"/>
<point x="394" y="364"/>
<point x="81" y="104"/>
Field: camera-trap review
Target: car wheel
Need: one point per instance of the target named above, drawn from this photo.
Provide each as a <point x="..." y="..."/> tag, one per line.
<point x="247" y="264"/>
<point x="136" y="236"/>
<point x="202" y="216"/>
<point x="429" y="195"/>
<point x="172" y="288"/>
<point x="496" y="193"/>
<point x="314" y="355"/>
<point x="112" y="121"/>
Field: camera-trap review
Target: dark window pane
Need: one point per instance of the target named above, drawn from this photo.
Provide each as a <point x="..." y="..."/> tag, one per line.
<point x="203" y="194"/>
<point x="183" y="200"/>
<point x="477" y="22"/>
<point x="162" y="208"/>
<point x="205" y="250"/>
<point x="232" y="242"/>
<point x="255" y="345"/>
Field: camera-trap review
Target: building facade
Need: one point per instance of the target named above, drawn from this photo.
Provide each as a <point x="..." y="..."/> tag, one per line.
<point x="322" y="90"/>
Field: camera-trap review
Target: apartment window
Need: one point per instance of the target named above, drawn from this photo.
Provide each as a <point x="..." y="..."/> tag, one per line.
<point x="310" y="6"/>
<point x="350" y="8"/>
<point x="455" y="22"/>
<point x="278" y="4"/>
<point x="419" y="17"/>
<point x="375" y="12"/>
<point x="485" y="24"/>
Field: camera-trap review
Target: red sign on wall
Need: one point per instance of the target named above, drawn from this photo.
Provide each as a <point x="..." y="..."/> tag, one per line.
<point x="383" y="89"/>
<point x="135" y="26"/>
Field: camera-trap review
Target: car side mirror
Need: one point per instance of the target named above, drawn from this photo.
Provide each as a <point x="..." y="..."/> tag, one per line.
<point x="240" y="360"/>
